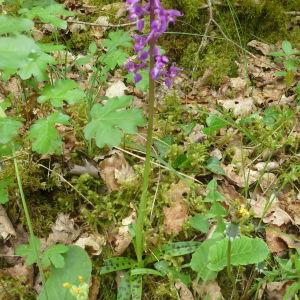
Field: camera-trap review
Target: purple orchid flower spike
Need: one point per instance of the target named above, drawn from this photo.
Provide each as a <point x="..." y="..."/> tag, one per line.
<point x="161" y="18"/>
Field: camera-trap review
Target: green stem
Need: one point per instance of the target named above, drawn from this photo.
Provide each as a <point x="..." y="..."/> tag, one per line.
<point x="139" y="239"/>
<point x="28" y="220"/>
<point x="229" y="269"/>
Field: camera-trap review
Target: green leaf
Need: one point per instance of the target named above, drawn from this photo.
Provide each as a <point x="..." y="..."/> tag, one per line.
<point x="290" y="65"/>
<point x="53" y="255"/>
<point x="136" y="285"/>
<point x="213" y="164"/>
<point x="212" y="192"/>
<point x="144" y="271"/>
<point x="214" y="123"/>
<point x="9" y="128"/>
<point x="63" y="90"/>
<point x="117" y="264"/>
<point x="30" y="251"/>
<point x="143" y="84"/>
<point x="45" y="137"/>
<point x="199" y="261"/>
<point x="9" y="24"/>
<point x="111" y="120"/>
<point x="244" y="251"/>
<point x="200" y="223"/>
<point x="117" y="39"/>
<point x="114" y="58"/>
<point x="217" y="210"/>
<point x="49" y="14"/>
<point x="291" y="291"/>
<point x="124" y="291"/>
<point x="287" y="48"/>
<point x="4" y="184"/>
<point x="77" y="264"/>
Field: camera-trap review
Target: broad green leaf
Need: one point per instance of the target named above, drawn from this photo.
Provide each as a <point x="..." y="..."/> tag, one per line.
<point x="77" y="266"/>
<point x="50" y="47"/>
<point x="9" y="24"/>
<point x="200" y="223"/>
<point x="290" y="65"/>
<point x="115" y="58"/>
<point x="214" y="123"/>
<point x="117" y="39"/>
<point x="111" y="120"/>
<point x="244" y="251"/>
<point x="15" y="51"/>
<point x="136" y="286"/>
<point x="200" y="260"/>
<point x="49" y="14"/>
<point x="63" y="90"/>
<point x="9" y="128"/>
<point x="117" y="264"/>
<point x="142" y="84"/>
<point x="124" y="291"/>
<point x="212" y="192"/>
<point x="213" y="164"/>
<point x="45" y="137"/>
<point x="30" y="251"/>
<point x="53" y="255"/>
<point x="217" y="210"/>
<point x="4" y="184"/>
<point x="287" y="48"/>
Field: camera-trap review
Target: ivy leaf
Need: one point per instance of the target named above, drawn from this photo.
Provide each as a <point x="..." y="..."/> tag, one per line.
<point x="63" y="90"/>
<point x="9" y="128"/>
<point x="53" y="255"/>
<point x="49" y="14"/>
<point x="44" y="135"/>
<point x="9" y="24"/>
<point x="30" y="251"/>
<point x="117" y="39"/>
<point x="212" y="193"/>
<point x="200" y="223"/>
<point x="111" y="120"/>
<point x="244" y="251"/>
<point x="213" y="164"/>
<point x="4" y="184"/>
<point x="114" y="58"/>
<point x="200" y="260"/>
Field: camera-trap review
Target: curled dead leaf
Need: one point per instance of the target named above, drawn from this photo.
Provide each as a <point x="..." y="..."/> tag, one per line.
<point x="184" y="292"/>
<point x="93" y="243"/>
<point x="208" y="289"/>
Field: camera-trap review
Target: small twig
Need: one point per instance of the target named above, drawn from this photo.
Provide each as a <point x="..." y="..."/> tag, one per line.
<point x="101" y="25"/>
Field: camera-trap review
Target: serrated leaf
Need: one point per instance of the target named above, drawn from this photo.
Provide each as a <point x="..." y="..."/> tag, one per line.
<point x="77" y="264"/>
<point x="212" y="192"/>
<point x="63" y="90"/>
<point x="244" y="251"/>
<point x="136" y="286"/>
<point x="9" y="24"/>
<point x="45" y="137"/>
<point x="49" y="14"/>
<point x="53" y="255"/>
<point x="200" y="260"/>
<point x="114" y="58"/>
<point x="30" y="251"/>
<point x="4" y="184"/>
<point x="117" y="264"/>
<point x="111" y="120"/>
<point x="213" y="164"/>
<point x="200" y="223"/>
<point x="117" y="39"/>
<point x="9" y="128"/>
<point x="124" y="291"/>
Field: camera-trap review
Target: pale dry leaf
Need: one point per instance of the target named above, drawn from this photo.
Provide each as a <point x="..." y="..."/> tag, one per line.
<point x="184" y="292"/>
<point x="240" y="106"/>
<point x="238" y="83"/>
<point x="245" y="176"/>
<point x="208" y="289"/>
<point x="216" y="153"/>
<point x="116" y="171"/>
<point x="87" y="168"/>
<point x="264" y="48"/>
<point x="266" y="166"/>
<point x="123" y="238"/>
<point x="93" y="243"/>
<point x="116" y="89"/>
<point x="197" y="135"/>
<point x="77" y="27"/>
<point x="267" y="180"/>
<point x="63" y="231"/>
<point x="176" y="214"/>
<point x="276" y="290"/>
<point x="6" y="228"/>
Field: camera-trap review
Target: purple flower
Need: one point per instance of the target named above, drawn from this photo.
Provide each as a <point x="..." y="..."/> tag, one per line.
<point x="160" y="22"/>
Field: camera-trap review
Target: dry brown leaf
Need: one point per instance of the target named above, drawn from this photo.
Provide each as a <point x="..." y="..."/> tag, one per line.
<point x="115" y="171"/>
<point x="6" y="228"/>
<point x="276" y="290"/>
<point x="208" y="288"/>
<point x="245" y="176"/>
<point x="63" y="231"/>
<point x="22" y="272"/>
<point x="93" y="243"/>
<point x="123" y="238"/>
<point x="184" y="292"/>
<point x="197" y="135"/>
<point x="94" y="288"/>
<point x="264" y="48"/>
<point x="177" y="213"/>
<point x="240" y="106"/>
<point x="267" y="181"/>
